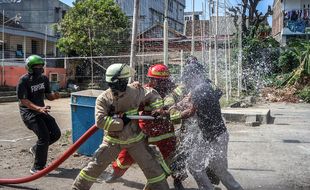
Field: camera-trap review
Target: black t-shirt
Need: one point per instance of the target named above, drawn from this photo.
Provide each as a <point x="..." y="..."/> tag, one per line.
<point x="33" y="89"/>
<point x="206" y="101"/>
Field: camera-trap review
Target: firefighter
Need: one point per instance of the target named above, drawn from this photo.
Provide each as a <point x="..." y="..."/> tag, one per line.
<point x="159" y="132"/>
<point x="205" y="104"/>
<point x="121" y="132"/>
<point x="31" y="89"/>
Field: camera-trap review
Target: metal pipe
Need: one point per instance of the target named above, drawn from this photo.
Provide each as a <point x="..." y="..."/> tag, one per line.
<point x="134" y="34"/>
<point x="166" y="34"/>
<point x="3" y="47"/>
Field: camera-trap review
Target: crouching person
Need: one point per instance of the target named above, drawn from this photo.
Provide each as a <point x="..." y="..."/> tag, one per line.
<point x="121" y="132"/>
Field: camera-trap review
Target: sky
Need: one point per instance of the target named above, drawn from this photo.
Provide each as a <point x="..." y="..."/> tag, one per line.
<point x="262" y="6"/>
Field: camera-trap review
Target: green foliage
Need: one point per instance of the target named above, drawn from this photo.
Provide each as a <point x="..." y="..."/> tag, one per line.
<point x="301" y="50"/>
<point x="287" y="61"/>
<point x="277" y="79"/>
<point x="260" y="57"/>
<point x="99" y="25"/>
<point x="304" y="94"/>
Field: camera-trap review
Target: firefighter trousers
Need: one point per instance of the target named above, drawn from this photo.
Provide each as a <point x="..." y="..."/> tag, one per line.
<point x="124" y="160"/>
<point x="108" y="152"/>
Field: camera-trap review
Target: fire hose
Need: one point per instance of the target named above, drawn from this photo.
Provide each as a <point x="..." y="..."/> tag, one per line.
<point x="65" y="156"/>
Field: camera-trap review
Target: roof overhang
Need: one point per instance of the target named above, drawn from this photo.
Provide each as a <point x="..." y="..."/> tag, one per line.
<point x="27" y="33"/>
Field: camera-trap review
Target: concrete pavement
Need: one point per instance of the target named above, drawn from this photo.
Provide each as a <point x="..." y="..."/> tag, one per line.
<point x="268" y="157"/>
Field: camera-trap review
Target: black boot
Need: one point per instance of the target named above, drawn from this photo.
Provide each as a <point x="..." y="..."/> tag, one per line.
<point x="112" y="178"/>
<point x="213" y="178"/>
<point x="178" y="184"/>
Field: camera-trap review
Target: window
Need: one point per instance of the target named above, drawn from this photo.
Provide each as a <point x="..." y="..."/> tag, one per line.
<point x="34" y="47"/>
<point x="19" y="47"/>
<point x="54" y="77"/>
<point x="57" y="10"/>
<point x="57" y="14"/>
<point x="19" y="51"/>
<point x="64" y="12"/>
<point x="170" y="5"/>
<point x="6" y="52"/>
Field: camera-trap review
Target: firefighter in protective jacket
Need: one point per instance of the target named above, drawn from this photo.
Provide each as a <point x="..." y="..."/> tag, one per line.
<point x="159" y="132"/>
<point x="121" y="132"/>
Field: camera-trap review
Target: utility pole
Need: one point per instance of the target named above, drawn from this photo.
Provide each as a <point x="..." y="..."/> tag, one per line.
<point x="215" y="43"/>
<point x="91" y="58"/>
<point x="210" y="41"/>
<point x="45" y="48"/>
<point x="182" y="64"/>
<point x="229" y="65"/>
<point x="166" y="34"/>
<point x="239" y="57"/>
<point x="225" y="44"/>
<point x="202" y="25"/>
<point x="193" y="29"/>
<point x="3" y="47"/>
<point x="134" y="35"/>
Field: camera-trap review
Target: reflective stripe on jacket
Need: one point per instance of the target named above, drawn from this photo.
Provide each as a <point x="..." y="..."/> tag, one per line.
<point x="125" y="102"/>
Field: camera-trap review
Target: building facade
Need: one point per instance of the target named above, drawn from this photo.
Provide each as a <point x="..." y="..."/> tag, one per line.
<point x="290" y="19"/>
<point x="152" y="13"/>
<point x="17" y="43"/>
<point x="37" y="15"/>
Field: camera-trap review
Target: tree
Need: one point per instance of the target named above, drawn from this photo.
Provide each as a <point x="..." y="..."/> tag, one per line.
<point x="260" y="58"/>
<point x="249" y="14"/>
<point x="94" y="26"/>
<point x="260" y="51"/>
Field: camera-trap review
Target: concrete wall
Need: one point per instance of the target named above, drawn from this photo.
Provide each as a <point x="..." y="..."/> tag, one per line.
<point x="152" y="12"/>
<point x="13" y="73"/>
<point x="277" y="19"/>
<point x="36" y="14"/>
<point x="291" y="4"/>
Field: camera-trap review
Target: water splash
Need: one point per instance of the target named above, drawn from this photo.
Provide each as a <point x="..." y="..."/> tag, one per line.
<point x="194" y="147"/>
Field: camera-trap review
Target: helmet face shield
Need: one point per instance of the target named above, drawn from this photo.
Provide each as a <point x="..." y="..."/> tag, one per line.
<point x="118" y="71"/>
<point x="120" y="85"/>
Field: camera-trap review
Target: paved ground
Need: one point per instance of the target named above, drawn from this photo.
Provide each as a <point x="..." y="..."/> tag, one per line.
<point x="268" y="157"/>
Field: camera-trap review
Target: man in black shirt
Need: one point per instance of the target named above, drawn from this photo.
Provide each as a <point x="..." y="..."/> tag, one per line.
<point x="204" y="98"/>
<point x="31" y="90"/>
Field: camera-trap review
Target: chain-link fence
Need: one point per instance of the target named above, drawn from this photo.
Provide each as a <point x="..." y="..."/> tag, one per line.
<point x="78" y="73"/>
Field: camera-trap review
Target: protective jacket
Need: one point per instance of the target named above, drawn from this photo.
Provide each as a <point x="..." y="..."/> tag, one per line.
<point x="107" y="105"/>
<point x="158" y="132"/>
<point x="118" y="136"/>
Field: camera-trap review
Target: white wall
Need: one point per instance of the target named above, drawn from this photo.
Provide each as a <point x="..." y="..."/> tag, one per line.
<point x="295" y="4"/>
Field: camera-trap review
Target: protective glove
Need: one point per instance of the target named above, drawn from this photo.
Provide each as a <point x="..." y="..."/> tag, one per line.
<point x="125" y="119"/>
<point x="160" y="114"/>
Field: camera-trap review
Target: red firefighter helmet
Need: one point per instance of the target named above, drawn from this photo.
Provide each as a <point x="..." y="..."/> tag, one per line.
<point x="159" y="71"/>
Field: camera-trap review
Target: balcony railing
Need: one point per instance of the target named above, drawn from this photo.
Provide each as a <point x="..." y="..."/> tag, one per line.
<point x="19" y="55"/>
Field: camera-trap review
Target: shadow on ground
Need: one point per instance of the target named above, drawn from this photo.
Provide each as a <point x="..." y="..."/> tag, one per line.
<point x="65" y="173"/>
<point x="17" y="187"/>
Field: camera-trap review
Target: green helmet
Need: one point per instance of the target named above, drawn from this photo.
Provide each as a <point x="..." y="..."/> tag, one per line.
<point x="33" y="60"/>
<point x="118" y="71"/>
